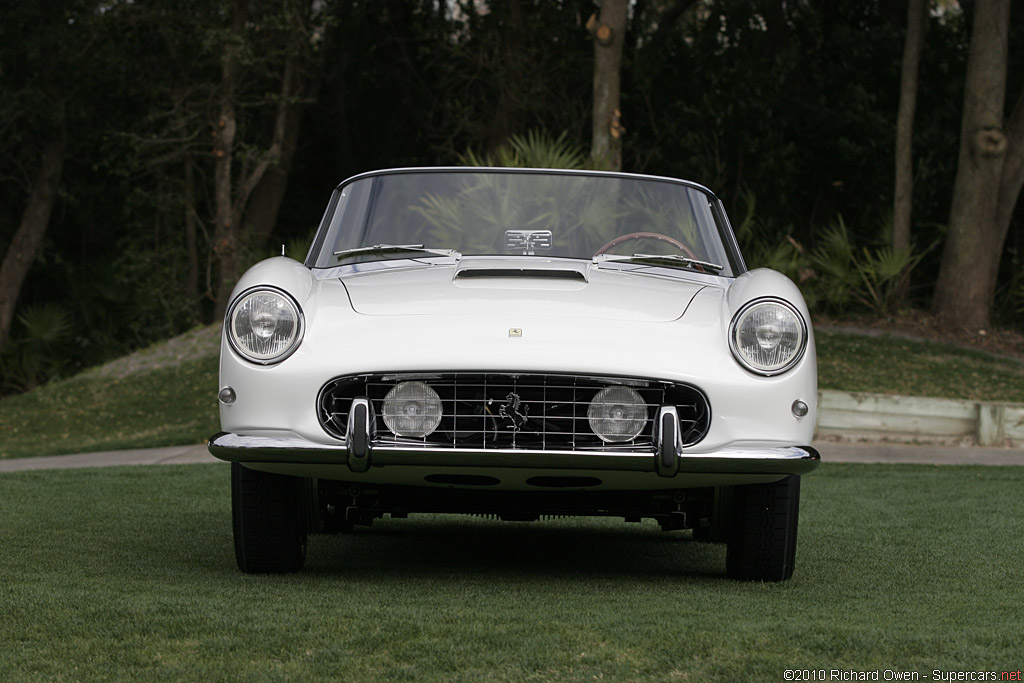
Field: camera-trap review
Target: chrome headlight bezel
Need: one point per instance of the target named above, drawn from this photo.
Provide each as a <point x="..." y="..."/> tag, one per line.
<point x="239" y="347"/>
<point x="735" y="329"/>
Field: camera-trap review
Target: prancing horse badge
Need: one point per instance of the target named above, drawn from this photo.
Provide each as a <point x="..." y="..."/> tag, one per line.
<point x="514" y="412"/>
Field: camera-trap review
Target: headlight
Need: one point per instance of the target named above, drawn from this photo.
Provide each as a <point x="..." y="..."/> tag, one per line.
<point x="768" y="336"/>
<point x="264" y="325"/>
<point x="617" y="414"/>
<point x="412" y="409"/>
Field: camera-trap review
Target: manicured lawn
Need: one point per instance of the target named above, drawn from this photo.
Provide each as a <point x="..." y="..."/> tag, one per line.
<point x="891" y="365"/>
<point x="128" y="574"/>
<point x="164" y="407"/>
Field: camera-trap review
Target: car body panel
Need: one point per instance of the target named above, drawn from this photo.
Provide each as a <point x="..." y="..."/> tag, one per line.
<point x="483" y="285"/>
<point x="748" y="410"/>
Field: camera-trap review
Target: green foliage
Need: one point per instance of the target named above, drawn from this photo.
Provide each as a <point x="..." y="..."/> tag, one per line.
<point x="536" y="149"/>
<point x="722" y="95"/>
<point x="848" y="278"/>
<point x="834" y="262"/>
<point x="297" y="247"/>
<point x="839" y="278"/>
<point x="761" y="245"/>
<point x="33" y="353"/>
<point x="45" y="324"/>
<point x="884" y="272"/>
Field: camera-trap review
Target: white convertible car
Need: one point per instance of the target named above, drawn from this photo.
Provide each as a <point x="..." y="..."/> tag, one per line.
<point x="518" y="343"/>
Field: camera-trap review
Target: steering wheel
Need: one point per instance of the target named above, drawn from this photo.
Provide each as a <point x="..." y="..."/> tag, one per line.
<point x="657" y="236"/>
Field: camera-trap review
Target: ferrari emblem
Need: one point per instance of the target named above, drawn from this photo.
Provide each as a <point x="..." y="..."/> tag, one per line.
<point x="515" y="332"/>
<point x="514" y="412"/>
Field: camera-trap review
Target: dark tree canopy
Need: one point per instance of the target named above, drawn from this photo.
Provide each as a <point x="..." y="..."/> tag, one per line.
<point x="787" y="110"/>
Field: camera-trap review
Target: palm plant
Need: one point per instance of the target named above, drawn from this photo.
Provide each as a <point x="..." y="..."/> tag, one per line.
<point x="31" y="356"/>
<point x="536" y="149"/>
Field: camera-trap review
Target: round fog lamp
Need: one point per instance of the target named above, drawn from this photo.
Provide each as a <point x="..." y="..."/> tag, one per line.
<point x="412" y="409"/>
<point x="617" y="414"/>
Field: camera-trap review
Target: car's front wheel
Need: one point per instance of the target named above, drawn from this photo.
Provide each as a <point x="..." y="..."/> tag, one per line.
<point x="269" y="512"/>
<point x="762" y="532"/>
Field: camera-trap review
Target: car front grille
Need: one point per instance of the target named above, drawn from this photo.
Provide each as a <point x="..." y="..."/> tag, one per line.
<point x="550" y="410"/>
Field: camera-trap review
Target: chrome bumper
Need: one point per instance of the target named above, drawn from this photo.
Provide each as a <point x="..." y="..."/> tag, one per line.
<point x="781" y="460"/>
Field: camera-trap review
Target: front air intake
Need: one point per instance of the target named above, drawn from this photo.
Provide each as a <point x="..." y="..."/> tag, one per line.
<point x="535" y="412"/>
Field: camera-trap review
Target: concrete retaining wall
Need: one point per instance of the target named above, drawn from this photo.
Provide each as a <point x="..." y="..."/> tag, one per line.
<point x="911" y="418"/>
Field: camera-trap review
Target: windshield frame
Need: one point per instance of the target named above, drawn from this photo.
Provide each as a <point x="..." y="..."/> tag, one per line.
<point x="735" y="264"/>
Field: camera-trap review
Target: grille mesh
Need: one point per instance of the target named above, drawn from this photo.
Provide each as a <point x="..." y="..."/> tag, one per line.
<point x="554" y="408"/>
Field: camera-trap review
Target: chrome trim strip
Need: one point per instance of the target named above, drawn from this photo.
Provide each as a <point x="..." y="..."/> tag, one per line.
<point x="525" y="171"/>
<point x="770" y="460"/>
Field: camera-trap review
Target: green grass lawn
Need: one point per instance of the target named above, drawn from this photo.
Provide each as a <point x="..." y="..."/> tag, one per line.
<point x="165" y="407"/>
<point x="178" y="405"/>
<point x="128" y="574"/>
<point x="891" y="365"/>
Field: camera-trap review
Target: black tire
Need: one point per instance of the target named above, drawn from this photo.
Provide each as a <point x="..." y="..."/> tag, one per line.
<point x="270" y="513"/>
<point x="762" y="534"/>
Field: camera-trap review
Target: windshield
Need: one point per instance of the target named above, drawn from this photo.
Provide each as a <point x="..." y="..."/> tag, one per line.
<point x="419" y="214"/>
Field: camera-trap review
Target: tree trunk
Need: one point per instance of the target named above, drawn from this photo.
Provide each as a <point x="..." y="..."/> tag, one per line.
<point x="974" y="243"/>
<point x="1013" y="168"/>
<point x="233" y="199"/>
<point x="191" y="247"/>
<point x="225" y="233"/>
<point x="609" y="31"/>
<point x="917" y="21"/>
<point x="261" y="213"/>
<point x="29" y="235"/>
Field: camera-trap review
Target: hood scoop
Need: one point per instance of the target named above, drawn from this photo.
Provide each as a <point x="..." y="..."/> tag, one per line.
<point x="547" y="273"/>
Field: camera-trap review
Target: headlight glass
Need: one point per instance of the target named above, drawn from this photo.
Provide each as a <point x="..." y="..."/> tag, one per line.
<point x="264" y="325"/>
<point x="412" y="409"/>
<point x="768" y="336"/>
<point x="617" y="414"/>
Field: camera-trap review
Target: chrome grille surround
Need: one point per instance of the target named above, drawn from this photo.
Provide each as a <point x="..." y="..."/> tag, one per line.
<point x="555" y="408"/>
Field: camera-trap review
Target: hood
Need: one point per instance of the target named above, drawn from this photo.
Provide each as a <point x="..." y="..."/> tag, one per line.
<point x="532" y="286"/>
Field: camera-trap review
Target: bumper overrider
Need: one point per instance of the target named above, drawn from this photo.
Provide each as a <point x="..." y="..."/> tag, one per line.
<point x="668" y="456"/>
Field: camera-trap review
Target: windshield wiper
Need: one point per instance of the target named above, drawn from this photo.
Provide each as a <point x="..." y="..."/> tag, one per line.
<point x="396" y="248"/>
<point x="669" y="259"/>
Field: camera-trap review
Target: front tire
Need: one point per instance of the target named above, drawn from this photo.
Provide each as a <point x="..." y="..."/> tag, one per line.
<point x="269" y="512"/>
<point x="762" y="534"/>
